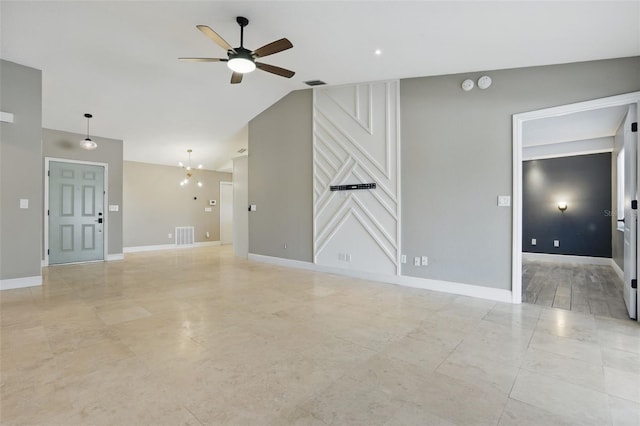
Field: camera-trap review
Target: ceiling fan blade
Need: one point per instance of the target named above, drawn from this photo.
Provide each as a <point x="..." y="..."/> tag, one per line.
<point x="275" y="70"/>
<point x="271" y="48"/>
<point x="236" y="78"/>
<point x="215" y="37"/>
<point x="202" y="59"/>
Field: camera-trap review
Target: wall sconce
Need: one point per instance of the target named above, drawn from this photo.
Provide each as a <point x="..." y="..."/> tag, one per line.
<point x="562" y="206"/>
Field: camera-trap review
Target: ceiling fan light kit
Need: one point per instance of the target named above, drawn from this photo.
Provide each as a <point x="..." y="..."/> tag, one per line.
<point x="241" y="60"/>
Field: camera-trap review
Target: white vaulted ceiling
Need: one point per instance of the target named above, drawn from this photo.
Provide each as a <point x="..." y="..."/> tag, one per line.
<point x="118" y="60"/>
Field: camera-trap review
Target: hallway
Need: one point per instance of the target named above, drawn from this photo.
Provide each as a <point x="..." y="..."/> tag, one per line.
<point x="591" y="289"/>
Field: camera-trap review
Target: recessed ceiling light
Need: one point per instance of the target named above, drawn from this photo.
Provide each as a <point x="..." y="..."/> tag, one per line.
<point x="378" y="52"/>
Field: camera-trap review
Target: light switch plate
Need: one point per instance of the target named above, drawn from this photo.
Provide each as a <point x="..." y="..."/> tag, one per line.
<point x="208" y="209"/>
<point x="504" y="200"/>
<point x="114" y="207"/>
<point x="24" y="203"/>
<point x="556" y="243"/>
<point x="254" y="207"/>
<point x="534" y="241"/>
<point x="404" y="258"/>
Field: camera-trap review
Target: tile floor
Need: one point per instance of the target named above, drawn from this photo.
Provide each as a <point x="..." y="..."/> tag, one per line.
<point x="195" y="336"/>
<point x="591" y="289"/>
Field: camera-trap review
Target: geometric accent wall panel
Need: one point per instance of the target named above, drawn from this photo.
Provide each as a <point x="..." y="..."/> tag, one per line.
<point x="356" y="140"/>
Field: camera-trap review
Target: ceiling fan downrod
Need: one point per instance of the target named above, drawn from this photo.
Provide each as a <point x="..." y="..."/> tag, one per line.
<point x="243" y="22"/>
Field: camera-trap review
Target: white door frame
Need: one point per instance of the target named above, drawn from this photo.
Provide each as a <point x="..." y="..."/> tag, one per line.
<point x="227" y="183"/>
<point x="518" y="124"/>
<point x="105" y="197"/>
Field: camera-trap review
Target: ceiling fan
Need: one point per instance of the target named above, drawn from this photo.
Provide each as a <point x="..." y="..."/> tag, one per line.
<point x="241" y="60"/>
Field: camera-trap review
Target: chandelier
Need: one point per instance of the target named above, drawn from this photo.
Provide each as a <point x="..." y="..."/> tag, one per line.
<point x="190" y="171"/>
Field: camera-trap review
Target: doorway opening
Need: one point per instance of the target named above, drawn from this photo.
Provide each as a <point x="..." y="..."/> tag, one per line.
<point x="531" y="121"/>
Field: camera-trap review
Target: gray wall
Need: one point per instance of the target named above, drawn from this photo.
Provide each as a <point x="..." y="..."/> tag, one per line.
<point x="584" y="182"/>
<point x="20" y="171"/>
<point x="280" y="179"/>
<point x="155" y="204"/>
<point x="457" y="154"/>
<point x="66" y="145"/>
<point x="456" y="160"/>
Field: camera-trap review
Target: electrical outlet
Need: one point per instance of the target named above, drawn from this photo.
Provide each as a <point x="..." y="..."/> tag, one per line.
<point x="534" y="242"/>
<point x="347" y="257"/>
<point x="170" y="236"/>
<point x="504" y="200"/>
<point x="342" y="256"/>
<point x="285" y="245"/>
<point x="404" y="258"/>
<point x="425" y="261"/>
<point x="556" y="243"/>
<point x="416" y="261"/>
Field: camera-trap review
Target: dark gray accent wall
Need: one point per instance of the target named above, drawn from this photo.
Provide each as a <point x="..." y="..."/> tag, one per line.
<point x="457" y="156"/>
<point x="280" y="179"/>
<point x="66" y="145"/>
<point x="584" y="228"/>
<point x="20" y="171"/>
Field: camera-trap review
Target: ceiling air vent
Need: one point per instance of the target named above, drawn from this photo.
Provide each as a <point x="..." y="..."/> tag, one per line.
<point x="241" y="150"/>
<point x="314" y="83"/>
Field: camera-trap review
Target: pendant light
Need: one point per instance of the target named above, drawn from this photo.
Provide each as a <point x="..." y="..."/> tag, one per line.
<point x="87" y="143"/>
<point x="189" y="171"/>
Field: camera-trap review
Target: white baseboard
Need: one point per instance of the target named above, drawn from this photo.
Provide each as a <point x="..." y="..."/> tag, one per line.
<point x="616" y="268"/>
<point x="564" y="258"/>
<point x="403" y="280"/>
<point x="168" y="247"/>
<point x="113" y="257"/>
<point x="21" y="282"/>
<point x="480" y="292"/>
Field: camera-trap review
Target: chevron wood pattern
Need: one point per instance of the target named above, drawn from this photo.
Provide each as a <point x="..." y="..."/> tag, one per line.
<point x="356" y="140"/>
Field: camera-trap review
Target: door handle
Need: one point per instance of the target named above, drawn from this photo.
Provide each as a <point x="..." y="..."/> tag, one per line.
<point x="99" y="220"/>
<point x="621" y="220"/>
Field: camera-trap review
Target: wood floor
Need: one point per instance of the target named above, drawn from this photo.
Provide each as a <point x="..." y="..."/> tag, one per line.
<point x="590" y="289"/>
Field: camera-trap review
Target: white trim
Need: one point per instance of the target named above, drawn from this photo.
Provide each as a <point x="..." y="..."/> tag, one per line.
<point x="518" y="124"/>
<point x="105" y="206"/>
<point x="566" y="258"/>
<point x="114" y="257"/>
<point x="157" y="247"/>
<point x="422" y="283"/>
<point x="616" y="268"/>
<point x="6" y="117"/>
<point x="21" y="282"/>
